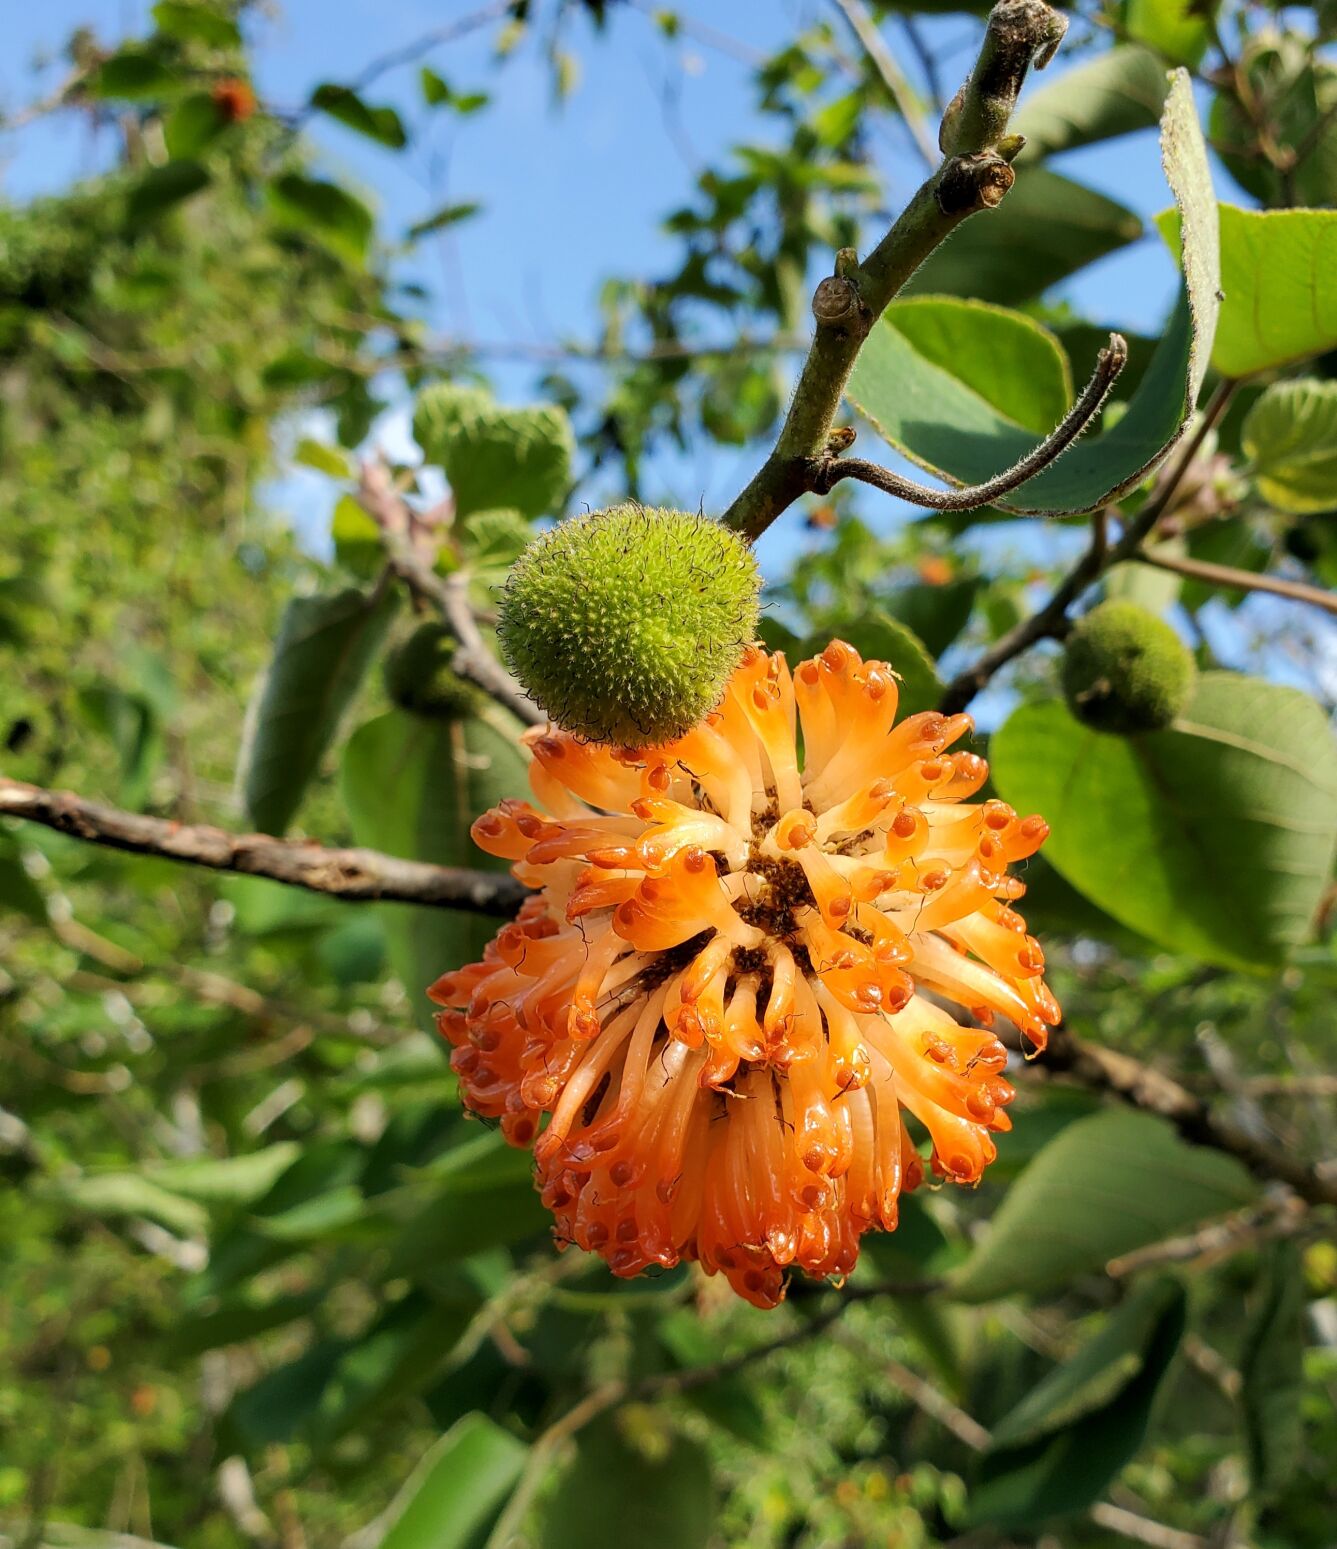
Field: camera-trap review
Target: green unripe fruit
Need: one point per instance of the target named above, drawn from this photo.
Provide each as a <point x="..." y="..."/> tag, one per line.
<point x="418" y="676"/>
<point x="625" y="625"/>
<point x="1125" y="670"/>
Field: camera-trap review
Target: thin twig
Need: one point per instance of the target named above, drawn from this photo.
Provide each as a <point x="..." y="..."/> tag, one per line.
<point x="927" y="62"/>
<point x="1248" y="1228"/>
<point x="1142" y="1530"/>
<point x="410" y="545"/>
<point x="1317" y="1085"/>
<point x="898" y="86"/>
<point x="976" y="176"/>
<point x="338" y="873"/>
<point x="410" y="53"/>
<point x="1143" y="1087"/>
<point x="1109" y="364"/>
<point x="1239" y="580"/>
<point x="58" y="97"/>
<point x="1050" y="622"/>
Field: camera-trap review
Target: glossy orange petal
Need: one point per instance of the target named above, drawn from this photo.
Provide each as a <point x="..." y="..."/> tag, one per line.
<point x="727" y="995"/>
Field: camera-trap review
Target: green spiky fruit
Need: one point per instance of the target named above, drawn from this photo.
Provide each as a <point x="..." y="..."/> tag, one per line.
<point x="1125" y="670"/>
<point x="625" y="625"/>
<point x="418" y="676"/>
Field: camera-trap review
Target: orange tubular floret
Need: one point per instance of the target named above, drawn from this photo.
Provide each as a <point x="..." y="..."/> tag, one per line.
<point x="712" y="998"/>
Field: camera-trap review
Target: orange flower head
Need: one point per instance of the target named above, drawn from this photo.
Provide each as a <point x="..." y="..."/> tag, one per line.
<point x="734" y="979"/>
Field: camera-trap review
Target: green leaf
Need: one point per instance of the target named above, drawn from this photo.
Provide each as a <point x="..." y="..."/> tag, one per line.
<point x="131" y="723"/>
<point x="129" y="1194"/>
<point x="1104" y="1186"/>
<point x="197" y="24"/>
<point x="324" y="647"/>
<point x="1279" y="279"/>
<point x="1214" y="838"/>
<point x="231" y="1180"/>
<point x="493" y="455"/>
<point x="729" y="1401"/>
<point x="1058" y="1450"/>
<point x="356" y="538"/>
<point x="877" y="636"/>
<point x="1047" y="228"/>
<point x="629" y="1484"/>
<point x="326" y="459"/>
<point x="457" y="1491"/>
<point x="434" y="89"/>
<point x="448" y="215"/>
<point x="1290" y="435"/>
<point x="163" y="188"/>
<point x="444" y="774"/>
<point x="1006" y="358"/>
<point x="18" y="892"/>
<point x="238" y="1322"/>
<point x="1272" y="1368"/>
<point x="1176" y="29"/>
<point x="740" y="399"/>
<point x="132" y="74"/>
<point x="1096" y="1375"/>
<point x="939" y="420"/>
<point x="484" y="1197"/>
<point x="401" y="1354"/>
<point x="1300" y="93"/>
<point x="325" y="210"/>
<point x="192" y="125"/>
<point x="936" y="612"/>
<point x="341" y="103"/>
<point x="1113" y="94"/>
<point x="493" y="540"/>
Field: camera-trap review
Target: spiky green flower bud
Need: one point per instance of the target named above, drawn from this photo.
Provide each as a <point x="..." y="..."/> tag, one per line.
<point x="625" y="625"/>
<point x="418" y="676"/>
<point x="1125" y="670"/>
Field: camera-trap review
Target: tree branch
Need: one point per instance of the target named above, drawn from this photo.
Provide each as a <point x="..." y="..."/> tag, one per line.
<point x="352" y="874"/>
<point x="410" y="546"/>
<point x="1109" y="364"/>
<point x="1140" y="1086"/>
<point x="976" y="176"/>
<point x="1051" y="621"/>
<point x="1240" y="580"/>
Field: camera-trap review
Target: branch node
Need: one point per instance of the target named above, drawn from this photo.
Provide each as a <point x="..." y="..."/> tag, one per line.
<point x="836" y="300"/>
<point x="977" y="181"/>
<point x="1020" y="33"/>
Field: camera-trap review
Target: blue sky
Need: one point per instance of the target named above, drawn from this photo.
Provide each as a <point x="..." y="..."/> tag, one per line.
<point x="575" y="193"/>
<point x="571" y="193"/>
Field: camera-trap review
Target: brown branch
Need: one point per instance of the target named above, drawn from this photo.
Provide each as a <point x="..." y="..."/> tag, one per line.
<point x="1051" y="622"/>
<point x="1109" y="364"/>
<point x="976" y="176"/>
<point x="353" y="874"/>
<point x="410" y="544"/>
<point x="1142" y="1530"/>
<point x="1140" y="1086"/>
<point x="1239" y="580"/>
<point x="1270" y="1221"/>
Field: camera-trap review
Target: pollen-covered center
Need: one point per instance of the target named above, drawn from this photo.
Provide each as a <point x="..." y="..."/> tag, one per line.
<point x="735" y="976"/>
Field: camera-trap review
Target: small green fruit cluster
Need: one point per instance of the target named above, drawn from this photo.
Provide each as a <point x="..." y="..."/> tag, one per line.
<point x="418" y="676"/>
<point x="1125" y="670"/>
<point x="626" y="624"/>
